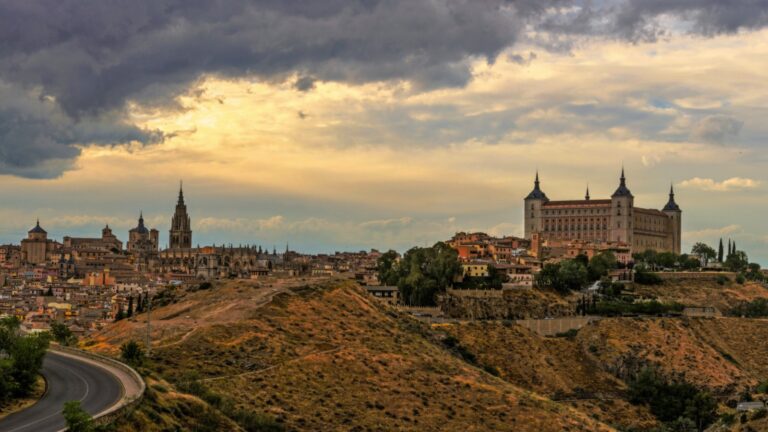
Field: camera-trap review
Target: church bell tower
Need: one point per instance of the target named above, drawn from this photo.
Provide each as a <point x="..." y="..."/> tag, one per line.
<point x="181" y="230"/>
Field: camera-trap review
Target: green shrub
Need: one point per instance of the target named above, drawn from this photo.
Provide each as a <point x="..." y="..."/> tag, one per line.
<point x="645" y="277"/>
<point x="740" y="279"/>
<point x="132" y="353"/>
<point x="722" y="279"/>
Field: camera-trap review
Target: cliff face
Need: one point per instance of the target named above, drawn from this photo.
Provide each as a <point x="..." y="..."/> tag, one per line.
<point x="507" y="304"/>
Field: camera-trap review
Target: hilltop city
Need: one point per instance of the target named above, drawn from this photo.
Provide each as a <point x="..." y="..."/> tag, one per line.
<point x="89" y="282"/>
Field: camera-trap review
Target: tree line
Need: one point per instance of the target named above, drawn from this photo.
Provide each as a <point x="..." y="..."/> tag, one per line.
<point x="21" y="358"/>
<point x="421" y="274"/>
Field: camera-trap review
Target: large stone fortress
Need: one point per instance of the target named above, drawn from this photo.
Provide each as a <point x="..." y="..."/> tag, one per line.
<point x="614" y="220"/>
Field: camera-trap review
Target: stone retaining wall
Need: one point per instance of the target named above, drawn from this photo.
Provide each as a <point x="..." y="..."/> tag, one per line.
<point x="129" y="400"/>
<point x="694" y="275"/>
<point x="551" y="327"/>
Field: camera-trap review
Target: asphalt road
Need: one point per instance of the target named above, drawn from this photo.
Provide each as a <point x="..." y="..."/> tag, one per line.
<point x="68" y="379"/>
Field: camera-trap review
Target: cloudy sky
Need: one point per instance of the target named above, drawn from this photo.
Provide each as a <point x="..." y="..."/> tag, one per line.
<point x="347" y="125"/>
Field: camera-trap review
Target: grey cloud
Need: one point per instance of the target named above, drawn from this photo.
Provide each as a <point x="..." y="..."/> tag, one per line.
<point x="90" y="57"/>
<point x="305" y="83"/>
<point x="717" y="129"/>
<point x="38" y="140"/>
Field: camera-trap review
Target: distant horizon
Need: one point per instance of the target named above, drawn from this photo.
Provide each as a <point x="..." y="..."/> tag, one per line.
<point x="120" y="225"/>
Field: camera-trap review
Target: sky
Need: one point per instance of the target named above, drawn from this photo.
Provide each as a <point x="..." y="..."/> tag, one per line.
<point x="350" y="125"/>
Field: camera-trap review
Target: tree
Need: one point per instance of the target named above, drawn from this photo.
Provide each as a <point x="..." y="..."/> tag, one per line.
<point x="573" y="275"/>
<point x="549" y="276"/>
<point x="600" y="265"/>
<point x="702" y="410"/>
<point x="386" y="267"/>
<point x="139" y="304"/>
<point x="737" y="261"/>
<point x="704" y="251"/>
<point x="49" y="293"/>
<point x="132" y="353"/>
<point x="119" y="315"/>
<point x="62" y="334"/>
<point x="76" y="418"/>
<point x="130" y="306"/>
<point x="425" y="272"/>
<point x="667" y="259"/>
<point x="720" y="251"/>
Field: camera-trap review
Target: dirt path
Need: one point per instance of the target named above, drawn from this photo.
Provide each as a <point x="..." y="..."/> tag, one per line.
<point x="262" y="298"/>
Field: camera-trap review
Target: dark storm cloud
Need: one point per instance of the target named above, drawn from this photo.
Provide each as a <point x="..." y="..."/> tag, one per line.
<point x="89" y="57"/>
<point x="648" y="20"/>
<point x="38" y="140"/>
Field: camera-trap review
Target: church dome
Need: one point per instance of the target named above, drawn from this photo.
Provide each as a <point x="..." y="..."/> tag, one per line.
<point x="37" y="229"/>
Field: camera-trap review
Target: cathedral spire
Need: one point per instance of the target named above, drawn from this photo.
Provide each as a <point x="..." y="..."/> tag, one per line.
<point x="181" y="193"/>
<point x="587" y="196"/>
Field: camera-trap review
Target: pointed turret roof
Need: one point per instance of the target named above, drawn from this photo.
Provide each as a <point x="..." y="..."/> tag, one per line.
<point x="537" y="193"/>
<point x="671" y="204"/>
<point x="586" y="197"/>
<point x="622" y="190"/>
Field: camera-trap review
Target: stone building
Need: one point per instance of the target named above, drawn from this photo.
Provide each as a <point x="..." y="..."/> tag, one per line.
<point x="615" y="220"/>
<point x="36" y="248"/>
<point x="108" y="241"/>
<point x="141" y="239"/>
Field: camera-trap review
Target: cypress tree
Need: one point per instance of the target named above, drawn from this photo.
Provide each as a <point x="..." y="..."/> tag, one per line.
<point x="734" y="248"/>
<point x="720" y="251"/>
<point x="130" y="306"/>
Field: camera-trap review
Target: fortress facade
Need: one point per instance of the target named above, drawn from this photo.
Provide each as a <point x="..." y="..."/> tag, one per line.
<point x="612" y="220"/>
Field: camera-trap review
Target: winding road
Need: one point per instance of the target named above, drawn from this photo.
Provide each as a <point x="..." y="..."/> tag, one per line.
<point x="68" y="378"/>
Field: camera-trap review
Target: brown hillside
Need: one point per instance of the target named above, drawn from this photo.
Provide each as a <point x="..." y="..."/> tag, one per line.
<point x="327" y="357"/>
<point x="556" y="367"/>
<point x="704" y="292"/>
<point x="703" y="351"/>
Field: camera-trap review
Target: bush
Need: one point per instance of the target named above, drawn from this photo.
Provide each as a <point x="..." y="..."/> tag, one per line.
<point x="62" y="334"/>
<point x="722" y="279"/>
<point x="76" y="419"/>
<point x="740" y="279"/>
<point x="654" y="307"/>
<point x="673" y="402"/>
<point x="761" y="413"/>
<point x="755" y="309"/>
<point x="644" y="277"/>
<point x="132" y="353"/>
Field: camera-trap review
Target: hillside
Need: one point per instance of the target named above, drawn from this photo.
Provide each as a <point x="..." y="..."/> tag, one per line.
<point x="589" y="369"/>
<point x="557" y="367"/>
<point x="324" y="356"/>
<point x="703" y="292"/>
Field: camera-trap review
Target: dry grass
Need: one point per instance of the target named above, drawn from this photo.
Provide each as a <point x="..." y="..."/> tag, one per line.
<point x="328" y="358"/>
